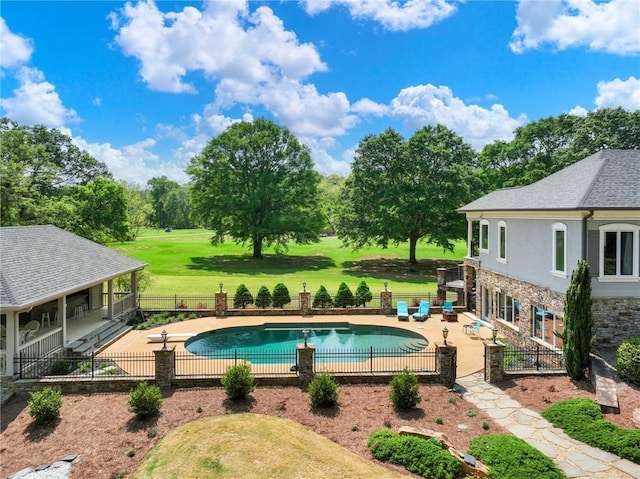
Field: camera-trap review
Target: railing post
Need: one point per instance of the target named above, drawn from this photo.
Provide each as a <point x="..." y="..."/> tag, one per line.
<point x="371" y="359"/>
<point x="537" y="357"/>
<point x="93" y="364"/>
<point x="164" y="362"/>
<point x="447" y="359"/>
<point x="221" y="303"/>
<point x="385" y="301"/>
<point x="493" y="362"/>
<point x="306" y="353"/>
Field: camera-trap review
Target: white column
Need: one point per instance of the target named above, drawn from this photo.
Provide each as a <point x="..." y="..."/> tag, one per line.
<point x="469" y="238"/>
<point x="13" y="338"/>
<point x="110" y="300"/>
<point x="62" y="317"/>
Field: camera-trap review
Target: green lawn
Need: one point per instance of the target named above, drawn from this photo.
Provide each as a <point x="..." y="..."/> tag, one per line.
<point x="184" y="261"/>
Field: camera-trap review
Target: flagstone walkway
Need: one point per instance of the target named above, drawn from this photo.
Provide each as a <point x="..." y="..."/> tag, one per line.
<point x="576" y="459"/>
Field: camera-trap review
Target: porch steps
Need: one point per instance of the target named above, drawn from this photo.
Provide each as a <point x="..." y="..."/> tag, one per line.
<point x="99" y="338"/>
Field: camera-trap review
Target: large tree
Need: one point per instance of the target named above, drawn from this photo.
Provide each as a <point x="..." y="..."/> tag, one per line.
<point x="255" y="183"/>
<point x="408" y="190"/>
<point x="545" y="146"/>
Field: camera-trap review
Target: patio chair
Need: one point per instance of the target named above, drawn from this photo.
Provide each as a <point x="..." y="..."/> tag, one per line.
<point x="403" y="311"/>
<point x="447" y="307"/>
<point x="473" y="328"/>
<point x="423" y="311"/>
<point x="31" y="327"/>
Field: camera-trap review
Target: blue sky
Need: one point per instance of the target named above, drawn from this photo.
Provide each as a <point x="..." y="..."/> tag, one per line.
<point x="143" y="86"/>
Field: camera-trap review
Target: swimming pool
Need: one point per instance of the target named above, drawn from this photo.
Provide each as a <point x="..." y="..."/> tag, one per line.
<point x="325" y="337"/>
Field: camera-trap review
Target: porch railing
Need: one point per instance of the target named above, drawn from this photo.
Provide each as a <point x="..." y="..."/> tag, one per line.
<point x="42" y="345"/>
<point x="124" y="304"/>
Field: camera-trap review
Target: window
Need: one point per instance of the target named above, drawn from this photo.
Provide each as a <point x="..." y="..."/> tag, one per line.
<point x="559" y="249"/>
<point x="620" y="251"/>
<point x="502" y="233"/>
<point x="508" y="309"/>
<point x="484" y="236"/>
<point x="544" y="325"/>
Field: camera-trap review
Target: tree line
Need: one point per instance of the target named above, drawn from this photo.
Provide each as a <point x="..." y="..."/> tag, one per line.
<point x="255" y="183"/>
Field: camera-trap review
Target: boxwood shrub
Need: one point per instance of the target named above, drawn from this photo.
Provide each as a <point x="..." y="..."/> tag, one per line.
<point x="628" y="360"/>
<point x="238" y="382"/>
<point x="581" y="419"/>
<point x="323" y="391"/>
<point x="425" y="457"/>
<point x="405" y="390"/>
<point x="44" y="405"/>
<point x="509" y="457"/>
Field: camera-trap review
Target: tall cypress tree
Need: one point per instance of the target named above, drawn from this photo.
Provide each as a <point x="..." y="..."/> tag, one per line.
<point x="577" y="337"/>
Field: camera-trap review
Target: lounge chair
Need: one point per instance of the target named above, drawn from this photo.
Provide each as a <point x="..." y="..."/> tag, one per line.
<point x="423" y="311"/>
<point x="403" y="311"/>
<point x="473" y="328"/>
<point x="447" y="307"/>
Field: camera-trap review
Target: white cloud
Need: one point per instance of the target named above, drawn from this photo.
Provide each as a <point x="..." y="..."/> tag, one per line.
<point x="35" y="101"/>
<point x="16" y="50"/>
<point x="324" y="162"/>
<point x="223" y="42"/>
<point x="619" y="93"/>
<point x="578" y="111"/>
<point x="392" y="14"/>
<point x="133" y="163"/>
<point x="424" y="105"/>
<point x="611" y="26"/>
<point x="369" y="107"/>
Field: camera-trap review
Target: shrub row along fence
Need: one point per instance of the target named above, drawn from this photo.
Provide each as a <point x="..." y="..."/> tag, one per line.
<point x="204" y="302"/>
<point x="276" y="363"/>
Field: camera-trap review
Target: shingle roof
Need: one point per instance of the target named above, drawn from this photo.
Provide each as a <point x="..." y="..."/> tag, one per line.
<point x="609" y="179"/>
<point x="39" y="263"/>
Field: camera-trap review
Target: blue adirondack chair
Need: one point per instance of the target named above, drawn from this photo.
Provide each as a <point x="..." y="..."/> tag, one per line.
<point x="423" y="311"/>
<point x="403" y="311"/>
<point x="473" y="328"/>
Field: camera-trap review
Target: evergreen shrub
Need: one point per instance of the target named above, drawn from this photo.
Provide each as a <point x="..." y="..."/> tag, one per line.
<point x="322" y="299"/>
<point x="405" y="392"/>
<point x="323" y="391"/>
<point x="509" y="457"/>
<point x="238" y="382"/>
<point x="344" y="296"/>
<point x="263" y="298"/>
<point x="425" y="457"/>
<point x="363" y="294"/>
<point x="628" y="360"/>
<point x="145" y="400"/>
<point x="280" y="296"/>
<point x="44" y="405"/>
<point x="242" y="297"/>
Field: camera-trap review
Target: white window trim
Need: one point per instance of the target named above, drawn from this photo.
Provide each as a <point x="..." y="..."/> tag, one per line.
<point x="620" y="228"/>
<point x="502" y="224"/>
<point x="558" y="227"/>
<point x="482" y="223"/>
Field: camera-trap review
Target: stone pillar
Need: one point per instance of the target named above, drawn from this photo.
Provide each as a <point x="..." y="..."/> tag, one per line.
<point x="447" y="363"/>
<point x="165" y="361"/>
<point x="385" y="302"/>
<point x="221" y="303"/>
<point x="469" y="275"/>
<point x="441" y="275"/>
<point x="305" y="303"/>
<point x="493" y="362"/>
<point x="305" y="363"/>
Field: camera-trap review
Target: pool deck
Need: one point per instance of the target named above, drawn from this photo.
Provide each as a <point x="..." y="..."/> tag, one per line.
<point x="470" y="347"/>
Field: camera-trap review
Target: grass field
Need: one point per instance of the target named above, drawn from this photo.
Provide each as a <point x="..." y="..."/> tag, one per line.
<point x="184" y="261"/>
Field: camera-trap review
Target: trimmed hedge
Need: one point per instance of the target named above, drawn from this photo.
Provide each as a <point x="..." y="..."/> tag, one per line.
<point x="581" y="419"/>
<point x="425" y="457"/>
<point x="628" y="360"/>
<point x="509" y="457"/>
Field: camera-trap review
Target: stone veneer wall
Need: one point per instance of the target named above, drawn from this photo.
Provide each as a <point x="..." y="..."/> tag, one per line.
<point x="528" y="294"/>
<point x="616" y="319"/>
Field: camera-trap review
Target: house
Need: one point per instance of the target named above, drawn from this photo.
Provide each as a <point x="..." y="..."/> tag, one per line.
<point x="524" y="242"/>
<point x="52" y="290"/>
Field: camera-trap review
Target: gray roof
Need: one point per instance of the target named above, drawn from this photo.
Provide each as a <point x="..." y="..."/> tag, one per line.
<point x="609" y="179"/>
<point x="41" y="263"/>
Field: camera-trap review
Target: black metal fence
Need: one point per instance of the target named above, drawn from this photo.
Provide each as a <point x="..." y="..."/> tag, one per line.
<point x="375" y="361"/>
<point x="536" y="358"/>
<point x="131" y="365"/>
<point x="275" y="363"/>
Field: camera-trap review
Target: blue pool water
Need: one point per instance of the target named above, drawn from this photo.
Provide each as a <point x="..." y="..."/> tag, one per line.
<point x="324" y="336"/>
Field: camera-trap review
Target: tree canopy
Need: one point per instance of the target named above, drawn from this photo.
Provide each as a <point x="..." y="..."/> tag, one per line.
<point x="408" y="190"/>
<point x="46" y="179"/>
<point x="255" y="183"/>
